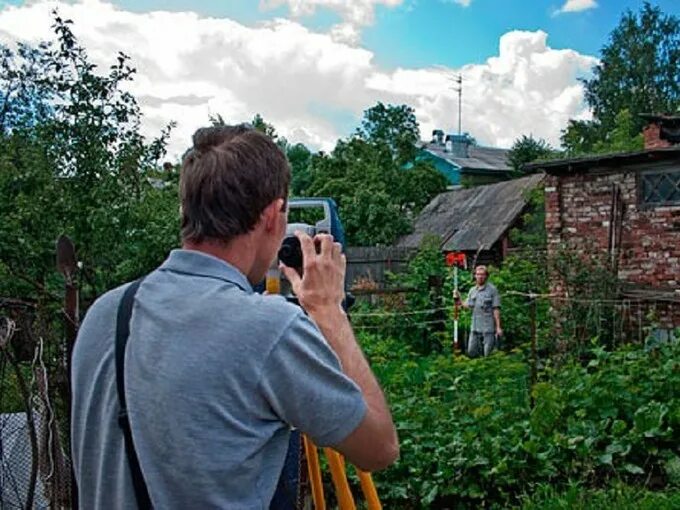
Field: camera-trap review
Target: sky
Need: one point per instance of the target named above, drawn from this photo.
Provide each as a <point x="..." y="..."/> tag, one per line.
<point x="311" y="67"/>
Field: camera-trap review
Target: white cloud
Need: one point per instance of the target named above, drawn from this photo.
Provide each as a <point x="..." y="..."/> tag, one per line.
<point x="358" y="12"/>
<point x="355" y="14"/>
<point x="528" y="88"/>
<point x="577" y="6"/>
<point x="309" y="85"/>
<point x="462" y="3"/>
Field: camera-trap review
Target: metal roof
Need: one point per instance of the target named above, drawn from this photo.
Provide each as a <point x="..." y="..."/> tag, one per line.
<point x="600" y="160"/>
<point x="481" y="159"/>
<point x="660" y="117"/>
<point x="472" y="218"/>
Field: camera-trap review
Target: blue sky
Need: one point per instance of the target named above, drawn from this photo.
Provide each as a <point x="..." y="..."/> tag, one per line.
<point x="440" y="32"/>
<point x="311" y="67"/>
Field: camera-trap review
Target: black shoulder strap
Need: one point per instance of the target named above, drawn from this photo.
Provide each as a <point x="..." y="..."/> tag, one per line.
<point x="122" y="333"/>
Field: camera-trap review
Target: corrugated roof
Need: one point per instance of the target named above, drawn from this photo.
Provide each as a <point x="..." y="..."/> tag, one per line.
<point x="610" y="160"/>
<point x="472" y="218"/>
<point x="486" y="159"/>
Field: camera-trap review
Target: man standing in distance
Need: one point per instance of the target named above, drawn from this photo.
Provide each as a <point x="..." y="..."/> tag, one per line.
<point x="485" y="303"/>
<point x="215" y="374"/>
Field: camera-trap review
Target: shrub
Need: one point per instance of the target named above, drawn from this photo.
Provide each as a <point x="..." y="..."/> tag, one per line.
<point x="469" y="436"/>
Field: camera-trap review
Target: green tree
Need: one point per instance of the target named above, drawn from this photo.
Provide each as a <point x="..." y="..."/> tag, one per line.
<point x="73" y="161"/>
<point x="580" y="137"/>
<point x="639" y="71"/>
<point x="261" y="125"/>
<point x="622" y="137"/>
<point x="394" y="126"/>
<point x="299" y="157"/>
<point x="373" y="175"/>
<point x="379" y="190"/>
<point x="527" y="149"/>
<point x="298" y="154"/>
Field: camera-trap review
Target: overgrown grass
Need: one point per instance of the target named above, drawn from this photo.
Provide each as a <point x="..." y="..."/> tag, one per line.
<point x="470" y="438"/>
<point x="620" y="497"/>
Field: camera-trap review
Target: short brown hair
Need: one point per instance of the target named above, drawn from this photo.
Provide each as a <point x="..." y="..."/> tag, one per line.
<point x="229" y="176"/>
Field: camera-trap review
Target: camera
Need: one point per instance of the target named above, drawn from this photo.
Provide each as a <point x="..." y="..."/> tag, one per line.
<point x="290" y="252"/>
<point x="312" y="216"/>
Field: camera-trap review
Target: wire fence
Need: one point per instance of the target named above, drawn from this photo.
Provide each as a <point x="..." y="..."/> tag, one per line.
<point x="35" y="469"/>
<point x="34" y="465"/>
<point x="613" y="321"/>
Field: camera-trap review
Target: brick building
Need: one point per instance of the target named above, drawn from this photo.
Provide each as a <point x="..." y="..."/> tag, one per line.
<point x="625" y="208"/>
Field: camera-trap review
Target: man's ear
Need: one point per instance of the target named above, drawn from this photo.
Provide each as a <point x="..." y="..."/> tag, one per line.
<point x="271" y="213"/>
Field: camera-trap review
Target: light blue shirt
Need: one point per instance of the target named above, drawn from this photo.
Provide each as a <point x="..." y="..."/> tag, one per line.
<point x="215" y="377"/>
<point x="483" y="300"/>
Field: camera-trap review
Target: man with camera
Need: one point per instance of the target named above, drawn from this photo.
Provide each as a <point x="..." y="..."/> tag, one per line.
<point x="214" y="375"/>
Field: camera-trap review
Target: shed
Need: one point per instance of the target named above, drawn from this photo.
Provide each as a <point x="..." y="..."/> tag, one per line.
<point x="475" y="220"/>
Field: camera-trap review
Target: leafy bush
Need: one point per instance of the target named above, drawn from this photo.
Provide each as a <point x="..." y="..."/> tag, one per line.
<point x="621" y="497"/>
<point x="469" y="436"/>
<point x="423" y="318"/>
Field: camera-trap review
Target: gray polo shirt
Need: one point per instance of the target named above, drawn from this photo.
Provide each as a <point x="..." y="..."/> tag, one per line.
<point x="216" y="375"/>
<point x="483" y="300"/>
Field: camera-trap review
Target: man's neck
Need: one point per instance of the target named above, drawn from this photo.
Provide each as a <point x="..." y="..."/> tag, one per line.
<point x="236" y="253"/>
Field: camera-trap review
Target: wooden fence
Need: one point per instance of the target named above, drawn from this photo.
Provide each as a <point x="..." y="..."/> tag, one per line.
<point x="370" y="262"/>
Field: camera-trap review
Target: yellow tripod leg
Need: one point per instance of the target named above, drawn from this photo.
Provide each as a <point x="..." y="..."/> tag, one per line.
<point x="337" y="467"/>
<point x="368" y="487"/>
<point x="314" y="474"/>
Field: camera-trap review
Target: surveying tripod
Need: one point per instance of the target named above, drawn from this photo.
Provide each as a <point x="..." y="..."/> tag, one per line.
<point x="336" y="462"/>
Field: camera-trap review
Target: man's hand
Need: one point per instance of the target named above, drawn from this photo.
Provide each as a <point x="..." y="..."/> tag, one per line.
<point x="374" y="443"/>
<point x="499" y="332"/>
<point x="322" y="284"/>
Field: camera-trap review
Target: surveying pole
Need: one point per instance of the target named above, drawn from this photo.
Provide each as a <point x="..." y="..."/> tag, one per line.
<point x="455" y="260"/>
<point x="456" y="309"/>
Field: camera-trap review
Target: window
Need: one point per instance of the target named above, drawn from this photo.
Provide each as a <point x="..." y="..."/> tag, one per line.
<point x="661" y="187"/>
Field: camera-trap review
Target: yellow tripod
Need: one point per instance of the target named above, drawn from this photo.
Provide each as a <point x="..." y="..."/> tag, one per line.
<point x="336" y="462"/>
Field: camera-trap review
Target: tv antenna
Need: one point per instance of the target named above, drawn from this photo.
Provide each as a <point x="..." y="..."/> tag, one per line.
<point x="458" y="87"/>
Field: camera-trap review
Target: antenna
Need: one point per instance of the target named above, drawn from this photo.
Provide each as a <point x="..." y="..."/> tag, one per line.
<point x="459" y="89"/>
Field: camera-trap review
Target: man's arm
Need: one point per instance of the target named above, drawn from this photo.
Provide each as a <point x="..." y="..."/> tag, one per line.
<point x="497" y="320"/>
<point x="497" y="311"/>
<point x="373" y="445"/>
<point x="465" y="304"/>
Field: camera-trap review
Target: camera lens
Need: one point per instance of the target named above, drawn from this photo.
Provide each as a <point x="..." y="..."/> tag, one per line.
<point x="290" y="252"/>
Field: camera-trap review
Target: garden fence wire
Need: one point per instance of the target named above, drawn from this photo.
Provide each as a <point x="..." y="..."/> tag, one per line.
<point x="34" y="462"/>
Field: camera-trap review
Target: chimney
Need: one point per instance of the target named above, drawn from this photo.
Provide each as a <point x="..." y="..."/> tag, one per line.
<point x="438" y="137"/>
<point x="662" y="131"/>
<point x="459" y="145"/>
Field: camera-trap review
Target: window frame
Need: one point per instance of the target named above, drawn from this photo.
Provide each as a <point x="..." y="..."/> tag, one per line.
<point x="673" y="169"/>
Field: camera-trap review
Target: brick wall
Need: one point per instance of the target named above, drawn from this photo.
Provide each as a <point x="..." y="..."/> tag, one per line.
<point x="578" y="209"/>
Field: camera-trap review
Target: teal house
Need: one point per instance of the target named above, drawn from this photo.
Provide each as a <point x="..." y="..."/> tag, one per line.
<point x="463" y="162"/>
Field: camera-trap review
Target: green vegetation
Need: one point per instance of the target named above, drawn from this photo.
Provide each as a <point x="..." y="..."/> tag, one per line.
<point x="620" y="497"/>
<point x="604" y="427"/>
<point x="637" y="73"/>
<point x="470" y="437"/>
<point x="374" y="177"/>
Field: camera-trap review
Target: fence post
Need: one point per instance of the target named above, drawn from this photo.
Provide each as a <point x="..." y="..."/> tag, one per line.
<point x="68" y="267"/>
<point x="437" y="315"/>
<point x="534" y="361"/>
